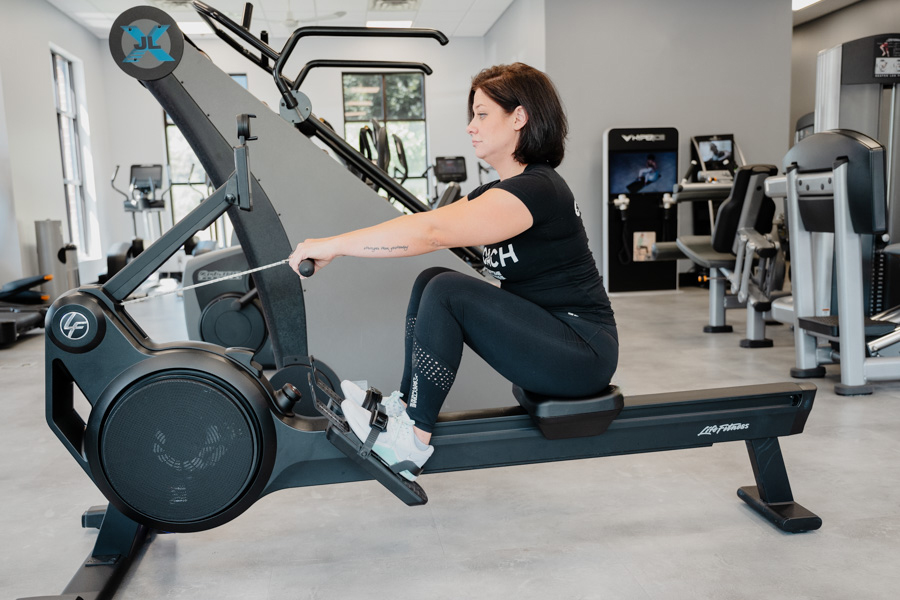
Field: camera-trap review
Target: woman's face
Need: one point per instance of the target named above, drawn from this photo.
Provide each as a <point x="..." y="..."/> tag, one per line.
<point x="494" y="132"/>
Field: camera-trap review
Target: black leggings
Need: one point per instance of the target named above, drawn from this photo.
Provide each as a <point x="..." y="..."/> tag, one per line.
<point x="543" y="352"/>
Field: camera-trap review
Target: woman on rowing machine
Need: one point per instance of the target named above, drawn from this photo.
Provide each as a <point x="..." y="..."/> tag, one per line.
<point x="548" y="327"/>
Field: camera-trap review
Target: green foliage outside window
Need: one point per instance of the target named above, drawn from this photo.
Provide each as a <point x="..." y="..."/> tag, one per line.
<point x="396" y="101"/>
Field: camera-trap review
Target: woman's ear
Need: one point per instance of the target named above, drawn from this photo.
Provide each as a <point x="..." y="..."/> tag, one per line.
<point x="521" y="117"/>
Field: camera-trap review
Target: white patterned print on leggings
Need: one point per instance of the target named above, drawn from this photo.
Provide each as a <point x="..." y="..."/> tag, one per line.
<point x="431" y="368"/>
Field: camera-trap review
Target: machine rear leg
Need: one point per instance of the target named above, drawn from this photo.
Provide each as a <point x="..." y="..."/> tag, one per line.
<point x="771" y="496"/>
<point x="117" y="542"/>
<point x="717" y="302"/>
<point x="756" y="328"/>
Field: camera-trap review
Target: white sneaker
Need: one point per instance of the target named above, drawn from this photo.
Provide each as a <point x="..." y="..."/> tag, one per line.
<point x="398" y="443"/>
<point x="393" y="406"/>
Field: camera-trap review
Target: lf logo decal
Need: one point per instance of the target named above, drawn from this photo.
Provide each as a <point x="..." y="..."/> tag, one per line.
<point x="74" y="326"/>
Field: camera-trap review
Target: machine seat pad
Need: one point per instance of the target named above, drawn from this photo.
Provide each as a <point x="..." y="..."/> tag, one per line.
<point x="699" y="249"/>
<point x="666" y="251"/>
<point x="560" y="418"/>
<point x="830" y="326"/>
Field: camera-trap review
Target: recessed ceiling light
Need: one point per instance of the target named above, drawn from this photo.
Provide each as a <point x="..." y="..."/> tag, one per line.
<point x="402" y="24"/>
<point x="194" y="28"/>
<point x="801" y="4"/>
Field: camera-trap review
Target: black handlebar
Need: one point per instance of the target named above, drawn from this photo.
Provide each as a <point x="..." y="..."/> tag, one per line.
<point x="307" y="267"/>
<point x="266" y="53"/>
<point x="358" y="64"/>
<point x="328" y="31"/>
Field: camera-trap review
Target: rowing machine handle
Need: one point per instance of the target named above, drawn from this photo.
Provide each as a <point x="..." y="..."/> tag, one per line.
<point x="307" y="267"/>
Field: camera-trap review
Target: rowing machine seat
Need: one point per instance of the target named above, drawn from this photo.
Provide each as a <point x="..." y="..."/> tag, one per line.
<point x="560" y="418"/>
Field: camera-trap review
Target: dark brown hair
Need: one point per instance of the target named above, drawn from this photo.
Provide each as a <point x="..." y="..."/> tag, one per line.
<point x="543" y="139"/>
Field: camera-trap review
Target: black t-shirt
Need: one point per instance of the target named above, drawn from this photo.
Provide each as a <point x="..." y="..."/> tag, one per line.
<point x="550" y="263"/>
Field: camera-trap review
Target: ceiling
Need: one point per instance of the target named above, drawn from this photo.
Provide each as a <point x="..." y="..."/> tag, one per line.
<point x="280" y="17"/>
<point x="819" y="9"/>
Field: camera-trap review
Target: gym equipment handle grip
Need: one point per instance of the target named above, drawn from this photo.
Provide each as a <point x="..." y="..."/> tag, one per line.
<point x="307" y="267"/>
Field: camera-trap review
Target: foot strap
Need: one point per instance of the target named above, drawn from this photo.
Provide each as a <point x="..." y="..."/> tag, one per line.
<point x="338" y="433"/>
<point x="378" y="423"/>
<point x="373" y="399"/>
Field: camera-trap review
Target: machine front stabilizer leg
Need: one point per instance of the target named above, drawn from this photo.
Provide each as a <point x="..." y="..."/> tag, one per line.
<point x="771" y="496"/>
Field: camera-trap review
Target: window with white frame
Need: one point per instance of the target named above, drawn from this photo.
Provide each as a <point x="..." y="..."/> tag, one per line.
<point x="70" y="151"/>
<point x="396" y="101"/>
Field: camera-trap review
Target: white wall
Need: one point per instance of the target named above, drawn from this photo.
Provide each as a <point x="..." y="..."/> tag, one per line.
<point x="33" y="159"/>
<point x="702" y="66"/>
<point x="519" y="35"/>
<point x="869" y="17"/>
<point x="11" y="265"/>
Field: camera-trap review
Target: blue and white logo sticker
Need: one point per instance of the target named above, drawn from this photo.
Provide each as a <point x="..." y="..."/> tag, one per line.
<point x="146" y="43"/>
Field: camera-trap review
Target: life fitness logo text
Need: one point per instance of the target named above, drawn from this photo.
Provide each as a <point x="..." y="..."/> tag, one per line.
<point x="146" y="43"/>
<point x="717" y="429"/>
<point x="74" y="326"/>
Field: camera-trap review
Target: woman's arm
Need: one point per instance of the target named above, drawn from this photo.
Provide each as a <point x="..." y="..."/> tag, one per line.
<point x="494" y="216"/>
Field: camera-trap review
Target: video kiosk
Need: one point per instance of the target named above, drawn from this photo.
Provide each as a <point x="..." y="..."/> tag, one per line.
<point x="640" y="169"/>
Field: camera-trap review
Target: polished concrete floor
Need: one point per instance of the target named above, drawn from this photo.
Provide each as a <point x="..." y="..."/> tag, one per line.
<point x="662" y="526"/>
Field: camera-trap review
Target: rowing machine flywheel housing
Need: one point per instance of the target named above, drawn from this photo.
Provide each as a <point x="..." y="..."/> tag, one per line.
<point x="180" y="436"/>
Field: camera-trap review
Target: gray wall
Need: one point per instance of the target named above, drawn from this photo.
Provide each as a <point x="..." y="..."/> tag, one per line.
<point x="518" y="36"/>
<point x="702" y="66"/>
<point x="29" y="138"/>
<point x="10" y="266"/>
<point x="869" y="17"/>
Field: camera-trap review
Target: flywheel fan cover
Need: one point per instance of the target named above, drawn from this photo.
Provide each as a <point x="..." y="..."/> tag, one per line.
<point x="181" y="450"/>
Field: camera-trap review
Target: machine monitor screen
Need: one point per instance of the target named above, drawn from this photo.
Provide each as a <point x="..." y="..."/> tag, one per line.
<point x="716" y="154"/>
<point x="146" y="177"/>
<point x="450" y="168"/>
<point x="642" y="172"/>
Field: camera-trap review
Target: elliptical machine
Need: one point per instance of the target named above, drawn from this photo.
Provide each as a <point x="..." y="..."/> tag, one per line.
<point x="143" y="193"/>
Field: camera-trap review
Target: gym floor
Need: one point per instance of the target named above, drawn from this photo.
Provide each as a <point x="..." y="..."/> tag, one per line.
<point x="661" y="526"/>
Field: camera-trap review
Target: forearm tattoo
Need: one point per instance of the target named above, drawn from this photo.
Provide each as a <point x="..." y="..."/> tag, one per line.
<point x="388" y="249"/>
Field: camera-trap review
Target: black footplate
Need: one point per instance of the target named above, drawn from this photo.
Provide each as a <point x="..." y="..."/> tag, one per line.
<point x="339" y="434"/>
